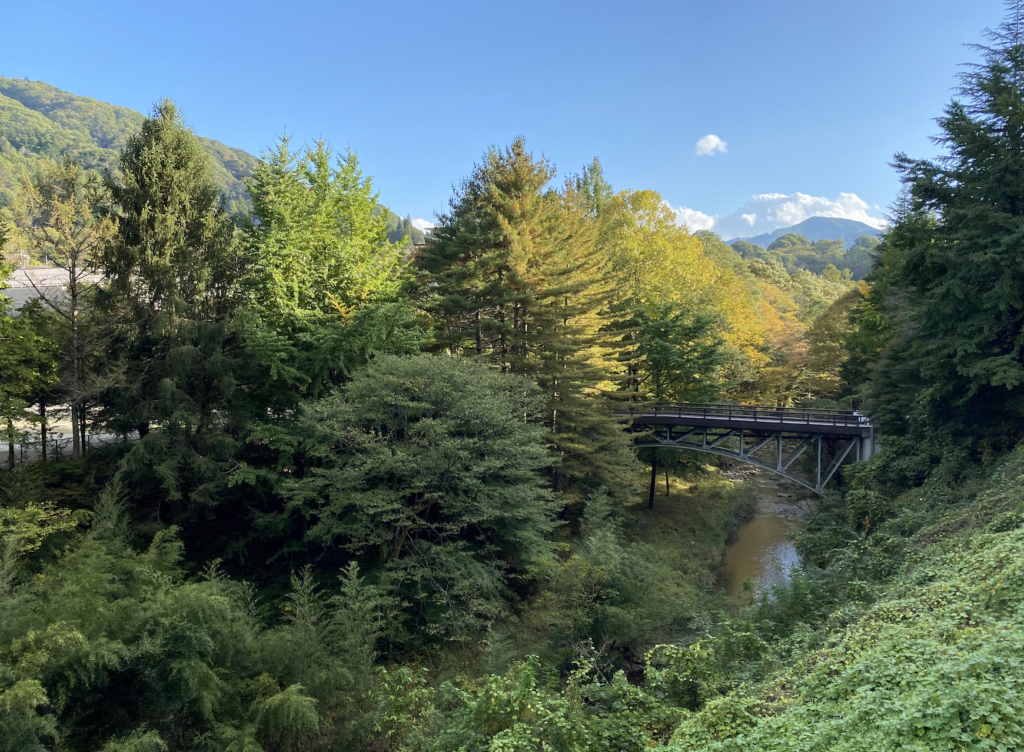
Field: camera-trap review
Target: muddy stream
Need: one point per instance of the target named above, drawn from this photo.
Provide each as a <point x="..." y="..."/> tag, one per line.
<point x="761" y="550"/>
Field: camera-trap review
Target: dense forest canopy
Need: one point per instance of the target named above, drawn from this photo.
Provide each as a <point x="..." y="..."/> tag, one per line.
<point x="300" y="477"/>
<point x="794" y="251"/>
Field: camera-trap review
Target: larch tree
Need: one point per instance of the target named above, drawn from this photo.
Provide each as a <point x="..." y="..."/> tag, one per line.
<point x="513" y="275"/>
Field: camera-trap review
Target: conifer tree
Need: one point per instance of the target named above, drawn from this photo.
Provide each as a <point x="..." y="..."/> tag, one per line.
<point x="958" y="273"/>
<point x="320" y="240"/>
<point x="596" y="191"/>
<point x="71" y="235"/>
<point x="514" y="276"/>
<point x="173" y="270"/>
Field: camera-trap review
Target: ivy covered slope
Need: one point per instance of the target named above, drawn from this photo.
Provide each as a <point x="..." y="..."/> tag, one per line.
<point x="39" y="122"/>
<point x="935" y="663"/>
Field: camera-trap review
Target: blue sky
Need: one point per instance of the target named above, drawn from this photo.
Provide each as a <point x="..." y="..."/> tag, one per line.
<point x="811" y="99"/>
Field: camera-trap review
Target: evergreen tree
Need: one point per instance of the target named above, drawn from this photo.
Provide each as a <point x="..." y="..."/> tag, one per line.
<point x="27" y="366"/>
<point x="514" y="275"/>
<point x="320" y="240"/>
<point x="429" y="464"/>
<point x="959" y="275"/>
<point x="595" y="190"/>
<point x="71" y="235"/>
<point x="173" y="272"/>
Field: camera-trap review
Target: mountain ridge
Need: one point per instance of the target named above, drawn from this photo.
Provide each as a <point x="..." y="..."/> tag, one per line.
<point x="40" y="122"/>
<point x="818" y="228"/>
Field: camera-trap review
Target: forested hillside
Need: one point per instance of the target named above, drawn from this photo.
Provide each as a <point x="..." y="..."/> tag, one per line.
<point x="819" y="228"/>
<point x="795" y="251"/>
<point x="281" y="482"/>
<point x="39" y="123"/>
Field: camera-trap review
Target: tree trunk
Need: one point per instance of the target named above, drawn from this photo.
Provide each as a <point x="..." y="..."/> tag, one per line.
<point x="76" y="447"/>
<point x="77" y="365"/>
<point x="667" y="492"/>
<point x="654" y="478"/>
<point x="81" y="421"/>
<point x="10" y="443"/>
<point x="479" y="337"/>
<point x="42" y="428"/>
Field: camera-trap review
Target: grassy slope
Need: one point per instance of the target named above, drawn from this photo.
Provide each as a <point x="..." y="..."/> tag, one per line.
<point x="935" y="663"/>
<point x="689" y="528"/>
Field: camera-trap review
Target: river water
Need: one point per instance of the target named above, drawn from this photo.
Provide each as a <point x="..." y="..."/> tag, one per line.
<point x="762" y="550"/>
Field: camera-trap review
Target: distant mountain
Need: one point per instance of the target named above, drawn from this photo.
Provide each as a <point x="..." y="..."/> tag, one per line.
<point x="39" y="122"/>
<point x="819" y="228"/>
<point x="795" y="251"/>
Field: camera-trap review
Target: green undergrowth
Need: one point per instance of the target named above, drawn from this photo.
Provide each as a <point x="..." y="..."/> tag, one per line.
<point x="927" y="658"/>
<point x="626" y="579"/>
<point x="931" y="659"/>
<point x="689" y="528"/>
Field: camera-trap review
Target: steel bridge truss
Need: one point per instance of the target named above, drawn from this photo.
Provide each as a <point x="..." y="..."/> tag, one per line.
<point x="713" y="441"/>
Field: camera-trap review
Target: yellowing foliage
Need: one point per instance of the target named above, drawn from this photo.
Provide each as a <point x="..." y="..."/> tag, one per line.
<point x="660" y="261"/>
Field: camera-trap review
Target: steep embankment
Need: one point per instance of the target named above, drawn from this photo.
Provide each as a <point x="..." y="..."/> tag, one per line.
<point x="935" y="663"/>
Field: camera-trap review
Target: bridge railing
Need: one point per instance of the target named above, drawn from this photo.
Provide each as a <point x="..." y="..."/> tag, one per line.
<point x="757" y="413"/>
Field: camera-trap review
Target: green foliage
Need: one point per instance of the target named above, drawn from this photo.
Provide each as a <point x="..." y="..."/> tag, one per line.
<point x="676" y="356"/>
<point x="172" y="280"/>
<point x="403" y="232"/>
<point x="949" y="270"/>
<point x="104" y="639"/>
<point x="592" y="186"/>
<point x="860" y="257"/>
<point x="27" y="367"/>
<point x="796" y="252"/>
<point x="514" y="275"/>
<point x="812" y="293"/>
<point x="319" y="242"/>
<point x="940" y="655"/>
<point x="42" y="124"/>
<point x="430" y="465"/>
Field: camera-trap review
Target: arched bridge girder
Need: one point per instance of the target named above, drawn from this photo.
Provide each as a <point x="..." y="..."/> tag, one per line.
<point x="713" y="445"/>
<point x="691" y="423"/>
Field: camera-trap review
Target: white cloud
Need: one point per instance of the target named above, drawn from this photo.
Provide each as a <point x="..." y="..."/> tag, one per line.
<point x="770" y="211"/>
<point x="711" y="143"/>
<point x="422" y="224"/>
<point x="693" y="219"/>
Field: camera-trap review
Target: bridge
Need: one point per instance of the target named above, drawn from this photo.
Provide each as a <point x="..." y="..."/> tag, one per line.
<point x="772" y="438"/>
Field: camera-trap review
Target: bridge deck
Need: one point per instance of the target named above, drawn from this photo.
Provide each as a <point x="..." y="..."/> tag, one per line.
<point x="753" y="418"/>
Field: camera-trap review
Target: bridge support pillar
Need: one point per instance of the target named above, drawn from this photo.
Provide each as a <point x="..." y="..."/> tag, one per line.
<point x="866" y="448"/>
